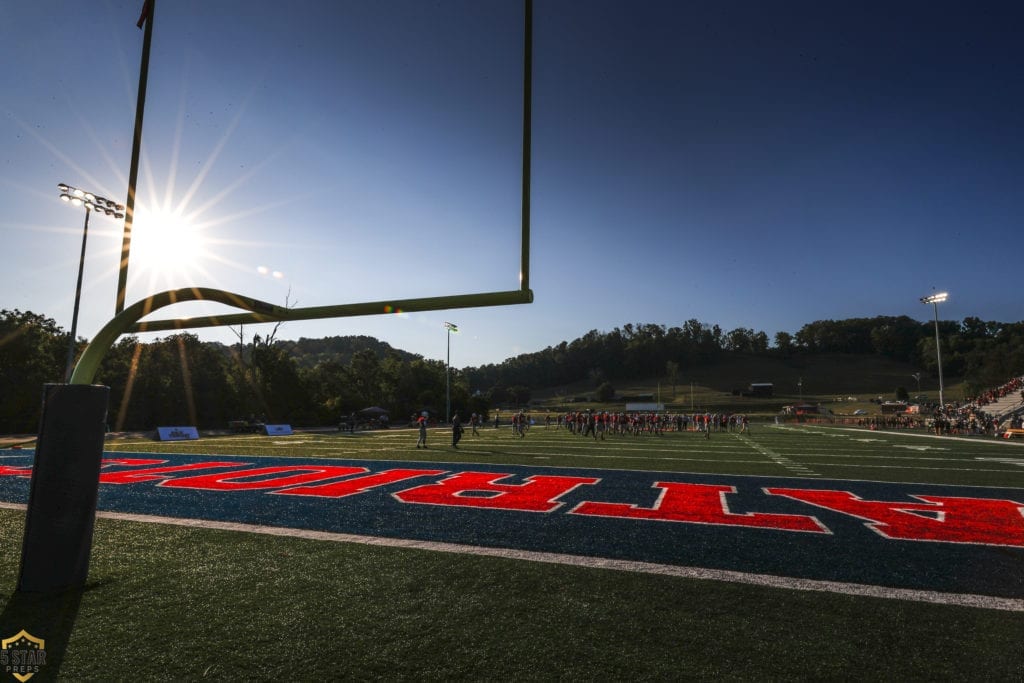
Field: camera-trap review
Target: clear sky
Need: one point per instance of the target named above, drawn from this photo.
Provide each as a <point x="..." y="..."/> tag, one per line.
<point x="747" y="164"/>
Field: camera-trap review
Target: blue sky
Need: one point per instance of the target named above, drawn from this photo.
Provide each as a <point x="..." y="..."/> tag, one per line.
<point x="747" y="164"/>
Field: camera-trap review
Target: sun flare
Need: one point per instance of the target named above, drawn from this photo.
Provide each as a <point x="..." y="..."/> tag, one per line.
<point x="166" y="246"/>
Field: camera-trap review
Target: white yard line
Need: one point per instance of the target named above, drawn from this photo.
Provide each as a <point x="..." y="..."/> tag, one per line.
<point x="778" y="459"/>
<point x="990" y="441"/>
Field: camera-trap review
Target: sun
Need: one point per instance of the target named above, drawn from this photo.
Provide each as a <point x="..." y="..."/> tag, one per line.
<point x="166" y="247"/>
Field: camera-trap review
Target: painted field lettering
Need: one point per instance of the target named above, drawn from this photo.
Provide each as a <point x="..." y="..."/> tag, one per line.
<point x="154" y="473"/>
<point x="8" y="471"/>
<point x="263" y="478"/>
<point x="538" y="493"/>
<point x="939" y="518"/>
<point x="348" y="487"/>
<point x="698" y="504"/>
<point x="131" y="462"/>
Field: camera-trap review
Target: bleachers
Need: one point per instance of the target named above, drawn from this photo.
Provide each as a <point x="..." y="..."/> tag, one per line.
<point x="1004" y="406"/>
<point x="1010" y="402"/>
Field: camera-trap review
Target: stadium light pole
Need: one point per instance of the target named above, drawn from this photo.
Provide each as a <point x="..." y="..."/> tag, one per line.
<point x="451" y="327"/>
<point x="935" y="300"/>
<point x="91" y="202"/>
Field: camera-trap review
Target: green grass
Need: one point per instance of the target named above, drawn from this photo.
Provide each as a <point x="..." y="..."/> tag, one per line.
<point x="171" y="603"/>
<point x="817" y="378"/>
<point x="174" y="603"/>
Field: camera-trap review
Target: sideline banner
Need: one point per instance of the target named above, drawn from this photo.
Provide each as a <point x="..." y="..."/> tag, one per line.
<point x="278" y="430"/>
<point x="177" y="433"/>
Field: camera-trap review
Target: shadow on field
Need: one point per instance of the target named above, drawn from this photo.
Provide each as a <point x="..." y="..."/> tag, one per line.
<point x="45" y="616"/>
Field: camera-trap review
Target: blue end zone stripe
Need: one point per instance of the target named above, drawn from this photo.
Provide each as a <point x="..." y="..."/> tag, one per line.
<point x="849" y="552"/>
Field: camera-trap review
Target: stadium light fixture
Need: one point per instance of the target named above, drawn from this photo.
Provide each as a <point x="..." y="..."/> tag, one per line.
<point x="935" y="300"/>
<point x="451" y="327"/>
<point x="91" y="202"/>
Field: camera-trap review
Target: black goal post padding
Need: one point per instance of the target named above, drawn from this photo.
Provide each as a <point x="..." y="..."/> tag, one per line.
<point x="65" y="485"/>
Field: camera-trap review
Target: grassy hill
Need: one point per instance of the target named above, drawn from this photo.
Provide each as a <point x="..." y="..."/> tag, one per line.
<point x="820" y="378"/>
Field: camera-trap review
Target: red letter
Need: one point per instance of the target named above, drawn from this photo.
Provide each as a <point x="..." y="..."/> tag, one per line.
<point x="226" y="481"/>
<point x="134" y="476"/>
<point x="130" y="462"/>
<point x="480" y="490"/>
<point x="939" y="518"/>
<point x="340" y="489"/>
<point x="699" y="504"/>
<point x="6" y="471"/>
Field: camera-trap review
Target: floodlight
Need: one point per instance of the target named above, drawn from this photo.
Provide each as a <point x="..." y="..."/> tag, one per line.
<point x="451" y="327"/>
<point x="92" y="202"/>
<point x="935" y="300"/>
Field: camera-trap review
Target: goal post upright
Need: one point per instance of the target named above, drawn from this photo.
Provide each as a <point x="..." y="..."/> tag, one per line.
<point x="65" y="481"/>
<point x="523" y="295"/>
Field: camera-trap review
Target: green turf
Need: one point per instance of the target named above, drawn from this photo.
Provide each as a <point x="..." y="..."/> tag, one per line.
<point x="173" y="603"/>
<point x="168" y="603"/>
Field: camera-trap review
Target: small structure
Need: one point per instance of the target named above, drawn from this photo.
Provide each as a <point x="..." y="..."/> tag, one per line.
<point x="644" y="407"/>
<point x="761" y="389"/>
<point x="375" y="417"/>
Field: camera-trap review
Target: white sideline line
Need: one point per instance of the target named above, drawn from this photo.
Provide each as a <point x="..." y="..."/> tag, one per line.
<point x="763" y="580"/>
<point x="944" y="437"/>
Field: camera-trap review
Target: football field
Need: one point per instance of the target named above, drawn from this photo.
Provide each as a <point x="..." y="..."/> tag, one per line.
<point x="785" y="552"/>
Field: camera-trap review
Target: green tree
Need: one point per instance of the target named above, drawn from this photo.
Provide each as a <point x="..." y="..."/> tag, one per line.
<point x="784" y="343"/>
<point x="32" y="353"/>
<point x="327" y="382"/>
<point x="605" y="392"/>
<point x="364" y="373"/>
<point x="672" y="370"/>
<point x="176" y="380"/>
<point x="519" y="395"/>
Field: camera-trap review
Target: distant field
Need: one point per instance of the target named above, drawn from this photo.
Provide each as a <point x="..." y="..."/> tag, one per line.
<point x="767" y="450"/>
<point x="168" y="601"/>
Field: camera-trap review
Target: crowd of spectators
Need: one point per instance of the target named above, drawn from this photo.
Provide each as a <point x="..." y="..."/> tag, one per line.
<point x="955" y="418"/>
<point x="964" y="420"/>
<point x="600" y="423"/>
<point x="970" y="418"/>
<point x="1014" y="386"/>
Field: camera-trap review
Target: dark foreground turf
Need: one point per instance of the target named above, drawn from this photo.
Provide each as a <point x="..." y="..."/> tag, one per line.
<point x="166" y="603"/>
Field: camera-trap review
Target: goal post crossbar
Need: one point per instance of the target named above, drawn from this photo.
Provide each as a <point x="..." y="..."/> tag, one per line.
<point x="128" y="320"/>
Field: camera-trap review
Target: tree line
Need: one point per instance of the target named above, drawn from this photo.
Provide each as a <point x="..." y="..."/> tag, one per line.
<point x="183" y="380"/>
<point x="984" y="354"/>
